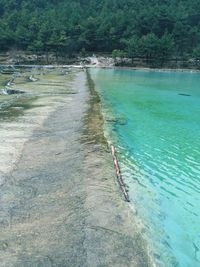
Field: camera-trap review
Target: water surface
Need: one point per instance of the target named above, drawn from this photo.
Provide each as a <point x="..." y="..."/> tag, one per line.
<point x="154" y="120"/>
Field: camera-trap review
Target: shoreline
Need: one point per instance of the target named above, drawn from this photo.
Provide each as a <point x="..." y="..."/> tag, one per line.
<point x="88" y="66"/>
<point x="145" y="69"/>
<point x="27" y="59"/>
<point x="61" y="204"/>
<point x="96" y="112"/>
<point x="125" y="207"/>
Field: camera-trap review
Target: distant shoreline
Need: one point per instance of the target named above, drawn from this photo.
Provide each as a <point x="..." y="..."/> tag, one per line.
<point x="146" y="69"/>
<point x="24" y="59"/>
<point x="101" y="67"/>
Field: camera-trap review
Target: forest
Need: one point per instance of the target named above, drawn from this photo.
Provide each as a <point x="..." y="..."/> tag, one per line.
<point x="132" y="28"/>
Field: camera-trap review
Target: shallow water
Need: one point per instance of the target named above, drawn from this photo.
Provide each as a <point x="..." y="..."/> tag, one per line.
<point x="154" y="120"/>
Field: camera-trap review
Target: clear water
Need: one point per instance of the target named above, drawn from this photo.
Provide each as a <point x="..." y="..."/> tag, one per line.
<point x="158" y="138"/>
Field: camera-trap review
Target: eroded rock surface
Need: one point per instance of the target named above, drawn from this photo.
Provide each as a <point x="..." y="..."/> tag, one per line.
<point x="60" y="203"/>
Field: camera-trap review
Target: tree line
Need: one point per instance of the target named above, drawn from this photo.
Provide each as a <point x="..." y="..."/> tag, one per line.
<point x="135" y="28"/>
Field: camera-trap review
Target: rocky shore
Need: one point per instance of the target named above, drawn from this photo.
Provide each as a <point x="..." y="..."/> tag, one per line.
<point x="17" y="58"/>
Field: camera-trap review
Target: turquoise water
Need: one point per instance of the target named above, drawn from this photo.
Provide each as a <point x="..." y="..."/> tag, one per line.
<point x="154" y="120"/>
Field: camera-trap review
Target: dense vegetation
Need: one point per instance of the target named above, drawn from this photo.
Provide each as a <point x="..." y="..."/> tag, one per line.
<point x="139" y="28"/>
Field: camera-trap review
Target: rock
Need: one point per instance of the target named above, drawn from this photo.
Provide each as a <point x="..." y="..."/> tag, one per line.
<point x="32" y="79"/>
<point x="8" y="70"/>
<point x="3" y="246"/>
<point x="11" y="92"/>
<point x="184" y="94"/>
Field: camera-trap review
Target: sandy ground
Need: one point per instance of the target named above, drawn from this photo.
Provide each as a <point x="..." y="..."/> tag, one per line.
<point x="60" y="202"/>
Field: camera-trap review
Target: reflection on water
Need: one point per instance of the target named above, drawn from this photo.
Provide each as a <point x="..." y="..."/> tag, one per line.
<point x="159" y="149"/>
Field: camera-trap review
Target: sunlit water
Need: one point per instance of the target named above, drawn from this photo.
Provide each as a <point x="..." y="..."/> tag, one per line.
<point x="154" y="120"/>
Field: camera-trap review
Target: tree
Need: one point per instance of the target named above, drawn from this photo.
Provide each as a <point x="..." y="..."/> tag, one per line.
<point x="132" y="47"/>
<point x="149" y="46"/>
<point x="118" y="54"/>
<point x="151" y="29"/>
<point x="166" y="46"/>
<point x="196" y="53"/>
<point x="36" y="46"/>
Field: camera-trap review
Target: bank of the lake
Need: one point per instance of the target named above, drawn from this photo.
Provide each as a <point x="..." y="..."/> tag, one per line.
<point x="98" y="59"/>
<point x="60" y="201"/>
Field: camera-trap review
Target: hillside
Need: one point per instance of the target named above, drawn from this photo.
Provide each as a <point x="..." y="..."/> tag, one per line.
<point x="139" y="28"/>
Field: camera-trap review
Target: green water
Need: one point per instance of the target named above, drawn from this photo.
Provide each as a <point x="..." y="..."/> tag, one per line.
<point x="154" y="120"/>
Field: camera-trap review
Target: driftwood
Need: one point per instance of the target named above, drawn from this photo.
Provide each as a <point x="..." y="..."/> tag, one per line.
<point x="118" y="174"/>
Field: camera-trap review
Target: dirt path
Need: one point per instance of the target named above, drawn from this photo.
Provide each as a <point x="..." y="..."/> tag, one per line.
<point x="61" y="206"/>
